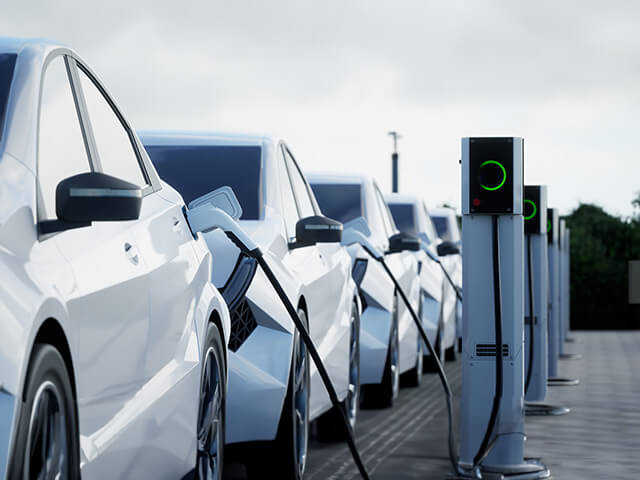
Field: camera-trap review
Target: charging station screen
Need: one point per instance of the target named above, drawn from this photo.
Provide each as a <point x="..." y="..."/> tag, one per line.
<point x="491" y="175"/>
<point x="531" y="210"/>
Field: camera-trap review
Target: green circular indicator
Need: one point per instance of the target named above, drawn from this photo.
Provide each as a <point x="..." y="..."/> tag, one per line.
<point x="548" y="226"/>
<point x="535" y="209"/>
<point x="504" y="175"/>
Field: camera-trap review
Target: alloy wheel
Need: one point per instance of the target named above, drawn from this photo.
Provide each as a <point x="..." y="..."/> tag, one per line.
<point x="301" y="405"/>
<point x="353" y="396"/>
<point x="210" y="422"/>
<point x="47" y="449"/>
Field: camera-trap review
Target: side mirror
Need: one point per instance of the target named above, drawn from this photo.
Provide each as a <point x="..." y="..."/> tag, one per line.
<point x="402" y="241"/>
<point x="88" y="197"/>
<point x="317" y="229"/>
<point x="448" y="248"/>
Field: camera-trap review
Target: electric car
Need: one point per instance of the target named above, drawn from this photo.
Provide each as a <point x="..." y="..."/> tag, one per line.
<point x="438" y="312"/>
<point x="113" y="351"/>
<point x="446" y="224"/>
<point x="389" y="342"/>
<point x="270" y="400"/>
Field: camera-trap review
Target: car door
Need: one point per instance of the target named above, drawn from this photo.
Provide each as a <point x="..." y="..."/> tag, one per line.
<point x="323" y="286"/>
<point x="108" y="306"/>
<point x="171" y="357"/>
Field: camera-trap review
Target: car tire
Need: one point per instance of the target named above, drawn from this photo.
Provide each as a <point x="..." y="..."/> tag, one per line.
<point x="451" y="354"/>
<point x="384" y="394"/>
<point x="330" y="427"/>
<point x="413" y="377"/>
<point x="211" y="408"/>
<point x="285" y="457"/>
<point x="49" y="401"/>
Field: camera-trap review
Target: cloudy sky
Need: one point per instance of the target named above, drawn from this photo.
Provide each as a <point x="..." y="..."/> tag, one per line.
<point x="333" y="77"/>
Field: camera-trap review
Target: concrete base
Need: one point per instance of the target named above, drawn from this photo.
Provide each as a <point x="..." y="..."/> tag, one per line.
<point x="544" y="409"/>
<point x="562" y="382"/>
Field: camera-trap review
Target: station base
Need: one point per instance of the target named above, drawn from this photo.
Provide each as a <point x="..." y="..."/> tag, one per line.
<point x="531" y="469"/>
<point x="562" y="382"/>
<point x="544" y="409"/>
<point x="570" y="356"/>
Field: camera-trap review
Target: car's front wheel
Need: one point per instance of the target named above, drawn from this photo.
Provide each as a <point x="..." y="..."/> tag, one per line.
<point x="47" y="432"/>
<point x="211" y="408"/>
<point x="330" y="425"/>
<point x="285" y="458"/>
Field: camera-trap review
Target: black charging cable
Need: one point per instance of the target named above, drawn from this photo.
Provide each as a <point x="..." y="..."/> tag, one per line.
<point x="531" y="317"/>
<point x="487" y="442"/>
<point x="304" y="334"/>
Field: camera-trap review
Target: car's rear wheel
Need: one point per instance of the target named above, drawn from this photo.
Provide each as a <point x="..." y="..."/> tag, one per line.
<point x="285" y="458"/>
<point x="330" y="426"/>
<point x="47" y="432"/>
<point x="384" y="394"/>
<point x="211" y="409"/>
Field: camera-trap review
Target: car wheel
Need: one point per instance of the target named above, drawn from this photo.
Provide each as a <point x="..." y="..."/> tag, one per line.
<point x="413" y="378"/>
<point x="329" y="425"/>
<point x="450" y="354"/>
<point x="384" y="394"/>
<point x="47" y="432"/>
<point x="211" y="409"/>
<point x="286" y="457"/>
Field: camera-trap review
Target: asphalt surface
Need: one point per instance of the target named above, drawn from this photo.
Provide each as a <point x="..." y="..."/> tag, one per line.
<point x="598" y="439"/>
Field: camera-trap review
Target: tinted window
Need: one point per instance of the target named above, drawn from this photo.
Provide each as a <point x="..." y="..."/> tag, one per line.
<point x="7" y="64"/>
<point x="339" y="201"/>
<point x="115" y="149"/>
<point x="403" y="217"/>
<point x="61" y="147"/>
<point x="442" y="226"/>
<point x="197" y="170"/>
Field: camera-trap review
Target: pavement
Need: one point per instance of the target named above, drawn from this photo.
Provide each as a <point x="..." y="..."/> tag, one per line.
<point x="599" y="438"/>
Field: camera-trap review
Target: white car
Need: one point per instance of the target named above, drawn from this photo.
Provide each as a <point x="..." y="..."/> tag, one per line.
<point x="270" y="399"/>
<point x="439" y="299"/>
<point x="389" y="342"/>
<point x="113" y="350"/>
<point x="446" y="223"/>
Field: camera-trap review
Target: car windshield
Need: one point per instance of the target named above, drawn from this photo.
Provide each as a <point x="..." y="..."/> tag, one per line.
<point x="403" y="216"/>
<point x="7" y="65"/>
<point x="442" y="226"/>
<point x="197" y="170"/>
<point x="342" y="202"/>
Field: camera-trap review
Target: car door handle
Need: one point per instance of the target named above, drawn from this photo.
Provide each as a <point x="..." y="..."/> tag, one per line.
<point x="177" y="225"/>
<point x="132" y="253"/>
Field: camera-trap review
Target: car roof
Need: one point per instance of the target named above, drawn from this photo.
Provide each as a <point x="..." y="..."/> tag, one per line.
<point x="174" y="137"/>
<point x="18" y="45"/>
<point x="337" y="178"/>
<point x="401" y="198"/>
<point x="442" y="211"/>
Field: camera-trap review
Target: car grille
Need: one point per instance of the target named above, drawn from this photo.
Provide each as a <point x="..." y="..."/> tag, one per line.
<point x="243" y="323"/>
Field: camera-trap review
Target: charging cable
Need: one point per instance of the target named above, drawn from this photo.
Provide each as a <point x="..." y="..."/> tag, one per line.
<point x="206" y="215"/>
<point x="531" y="317"/>
<point x="434" y="258"/>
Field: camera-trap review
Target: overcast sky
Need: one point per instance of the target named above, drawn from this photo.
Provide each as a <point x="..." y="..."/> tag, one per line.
<point x="333" y="77"/>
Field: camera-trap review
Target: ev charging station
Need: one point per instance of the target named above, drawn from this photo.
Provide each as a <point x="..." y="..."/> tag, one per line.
<point x="565" y="291"/>
<point x="555" y="299"/>
<point x="536" y="292"/>
<point x="492" y="419"/>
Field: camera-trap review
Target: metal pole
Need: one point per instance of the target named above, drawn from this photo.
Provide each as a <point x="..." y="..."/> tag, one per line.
<point x="394" y="162"/>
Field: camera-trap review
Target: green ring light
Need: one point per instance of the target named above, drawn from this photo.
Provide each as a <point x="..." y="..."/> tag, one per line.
<point x="504" y="175"/>
<point x="535" y="209"/>
<point x="548" y="226"/>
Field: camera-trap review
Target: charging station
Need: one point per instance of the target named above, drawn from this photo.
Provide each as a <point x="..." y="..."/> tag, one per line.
<point x="492" y="405"/>
<point x="565" y="291"/>
<point x="555" y="299"/>
<point x="536" y="292"/>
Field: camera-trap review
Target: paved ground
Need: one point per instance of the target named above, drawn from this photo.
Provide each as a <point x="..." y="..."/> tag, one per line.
<point x="599" y="439"/>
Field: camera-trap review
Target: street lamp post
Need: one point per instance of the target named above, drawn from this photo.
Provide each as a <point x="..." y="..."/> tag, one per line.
<point x="394" y="162"/>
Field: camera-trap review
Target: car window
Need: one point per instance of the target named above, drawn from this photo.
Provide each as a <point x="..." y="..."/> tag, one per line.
<point x="342" y="202"/>
<point x="195" y="170"/>
<point x="430" y="230"/>
<point x="384" y="212"/>
<point x="289" y="209"/>
<point x="7" y="66"/>
<point x="61" y="147"/>
<point x="442" y="226"/>
<point x="403" y="217"/>
<point x="115" y="148"/>
<point x="305" y="204"/>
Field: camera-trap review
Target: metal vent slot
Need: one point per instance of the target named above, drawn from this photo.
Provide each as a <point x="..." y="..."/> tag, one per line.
<point x="489" y="349"/>
<point x="243" y="323"/>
